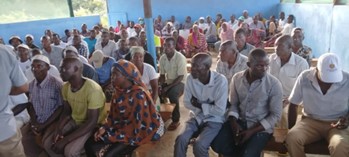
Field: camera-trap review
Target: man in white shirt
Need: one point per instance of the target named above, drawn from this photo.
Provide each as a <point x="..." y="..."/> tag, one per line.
<point x="57" y="41"/>
<point x="205" y="95"/>
<point x="13" y="82"/>
<point x="288" y="27"/>
<point x="323" y="91"/>
<point x="247" y="19"/>
<point x="107" y="46"/>
<point x="286" y="66"/>
<point x="23" y="54"/>
<point x="233" y="22"/>
<point x="282" y="21"/>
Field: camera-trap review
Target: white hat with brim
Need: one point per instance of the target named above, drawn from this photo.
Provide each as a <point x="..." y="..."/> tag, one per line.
<point x="14" y="37"/>
<point x="41" y="58"/>
<point x="329" y="68"/>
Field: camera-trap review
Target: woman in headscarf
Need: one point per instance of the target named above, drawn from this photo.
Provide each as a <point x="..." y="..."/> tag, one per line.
<point x="132" y="120"/>
<point x="196" y="42"/>
<point x="149" y="75"/>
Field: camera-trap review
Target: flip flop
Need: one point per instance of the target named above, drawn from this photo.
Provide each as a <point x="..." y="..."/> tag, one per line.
<point x="173" y="126"/>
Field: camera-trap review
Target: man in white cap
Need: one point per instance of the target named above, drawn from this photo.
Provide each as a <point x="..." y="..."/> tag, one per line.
<point x="45" y="105"/>
<point x="202" y="25"/>
<point x="15" y="41"/>
<point x="324" y="93"/>
<point x="29" y="40"/>
<point x="53" y="70"/>
<point x="23" y="54"/>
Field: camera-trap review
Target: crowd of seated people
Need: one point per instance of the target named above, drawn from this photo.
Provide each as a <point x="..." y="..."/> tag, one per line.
<point x="71" y="78"/>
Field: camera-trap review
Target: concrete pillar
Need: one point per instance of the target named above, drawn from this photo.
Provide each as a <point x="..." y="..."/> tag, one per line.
<point x="148" y="20"/>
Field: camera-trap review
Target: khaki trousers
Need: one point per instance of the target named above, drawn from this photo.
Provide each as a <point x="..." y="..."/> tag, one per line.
<point x="72" y="149"/>
<point x="12" y="147"/>
<point x="309" y="130"/>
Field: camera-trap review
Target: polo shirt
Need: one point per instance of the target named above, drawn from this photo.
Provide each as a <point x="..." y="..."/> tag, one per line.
<point x="328" y="107"/>
<point x="288" y="73"/>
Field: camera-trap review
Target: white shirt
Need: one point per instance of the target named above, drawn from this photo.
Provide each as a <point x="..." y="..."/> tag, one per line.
<point x="107" y="49"/>
<point x="62" y="45"/>
<point x="240" y="65"/>
<point x="53" y="71"/>
<point x="234" y="25"/>
<point x="131" y="32"/>
<point x="25" y="65"/>
<point x="149" y="74"/>
<point x="281" y="24"/>
<point x="328" y="107"/>
<point x="288" y="73"/>
<point x="249" y="20"/>
<point x="213" y="97"/>
<point x="22" y="117"/>
<point x="287" y="29"/>
<point x="203" y="26"/>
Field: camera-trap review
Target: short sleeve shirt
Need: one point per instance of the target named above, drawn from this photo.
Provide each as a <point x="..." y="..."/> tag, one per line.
<point x="174" y="67"/>
<point x="326" y="107"/>
<point x="11" y="75"/>
<point x="90" y="96"/>
<point x="149" y="74"/>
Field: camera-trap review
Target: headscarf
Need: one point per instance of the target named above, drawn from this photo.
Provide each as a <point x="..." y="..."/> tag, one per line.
<point x="133" y="118"/>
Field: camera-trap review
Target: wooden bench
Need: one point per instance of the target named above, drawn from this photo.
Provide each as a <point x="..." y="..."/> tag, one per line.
<point x="166" y="111"/>
<point x="319" y="147"/>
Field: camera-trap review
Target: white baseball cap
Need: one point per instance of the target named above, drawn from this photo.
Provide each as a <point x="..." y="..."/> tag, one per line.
<point x="329" y="68"/>
<point x="41" y="58"/>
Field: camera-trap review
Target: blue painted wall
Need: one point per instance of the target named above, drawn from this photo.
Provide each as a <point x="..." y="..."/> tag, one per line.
<point x="325" y="28"/>
<point x="37" y="28"/>
<point x="133" y="9"/>
<point x="340" y="36"/>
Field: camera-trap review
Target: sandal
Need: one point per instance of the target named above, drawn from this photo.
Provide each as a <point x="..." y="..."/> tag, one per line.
<point x="173" y="126"/>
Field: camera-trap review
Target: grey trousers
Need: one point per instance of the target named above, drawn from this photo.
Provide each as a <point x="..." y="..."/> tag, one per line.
<point x="207" y="132"/>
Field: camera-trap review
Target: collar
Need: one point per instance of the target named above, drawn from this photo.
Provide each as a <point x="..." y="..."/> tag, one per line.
<point x="291" y="61"/>
<point x="44" y="82"/>
<point x="260" y="80"/>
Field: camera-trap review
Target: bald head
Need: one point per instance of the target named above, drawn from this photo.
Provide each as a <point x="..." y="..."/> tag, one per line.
<point x="74" y="62"/>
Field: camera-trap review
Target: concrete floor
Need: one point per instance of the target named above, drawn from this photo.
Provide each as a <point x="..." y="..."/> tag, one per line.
<point x="165" y="147"/>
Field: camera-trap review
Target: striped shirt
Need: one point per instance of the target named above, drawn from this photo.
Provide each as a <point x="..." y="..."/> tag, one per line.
<point x="45" y="97"/>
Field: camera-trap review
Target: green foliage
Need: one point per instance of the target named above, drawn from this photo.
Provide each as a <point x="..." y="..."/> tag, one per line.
<point x="29" y="10"/>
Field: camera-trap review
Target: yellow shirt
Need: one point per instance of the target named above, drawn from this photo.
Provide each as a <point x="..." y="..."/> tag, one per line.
<point x="90" y="96"/>
<point x="173" y="68"/>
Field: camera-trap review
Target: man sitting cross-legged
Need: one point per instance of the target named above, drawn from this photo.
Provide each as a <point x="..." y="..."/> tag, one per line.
<point x="205" y="95"/>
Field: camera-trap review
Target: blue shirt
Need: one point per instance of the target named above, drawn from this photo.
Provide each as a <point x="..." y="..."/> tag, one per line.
<point x="104" y="72"/>
<point x="91" y="44"/>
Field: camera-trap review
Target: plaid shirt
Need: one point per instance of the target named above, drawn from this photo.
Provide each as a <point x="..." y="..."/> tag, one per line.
<point x="45" y="97"/>
<point x="83" y="51"/>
